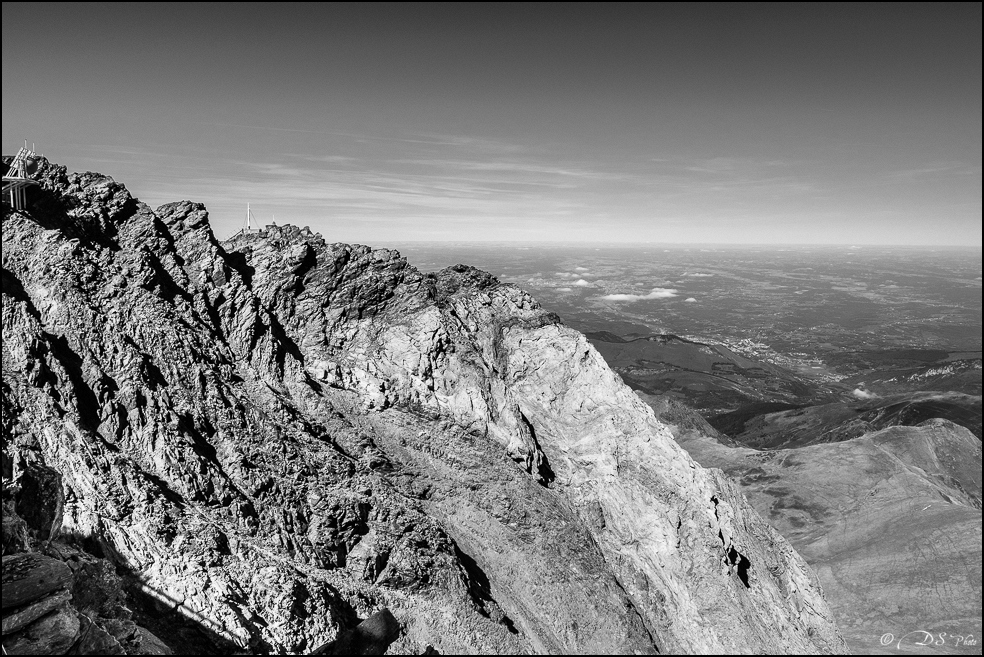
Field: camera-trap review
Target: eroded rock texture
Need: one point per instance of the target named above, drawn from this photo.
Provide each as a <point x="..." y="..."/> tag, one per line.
<point x="279" y="437"/>
<point x="58" y="599"/>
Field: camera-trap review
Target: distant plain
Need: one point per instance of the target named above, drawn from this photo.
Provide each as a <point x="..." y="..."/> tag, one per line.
<point x="825" y="323"/>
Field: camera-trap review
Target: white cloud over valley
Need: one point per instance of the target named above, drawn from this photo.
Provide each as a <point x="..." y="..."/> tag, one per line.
<point x="655" y="293"/>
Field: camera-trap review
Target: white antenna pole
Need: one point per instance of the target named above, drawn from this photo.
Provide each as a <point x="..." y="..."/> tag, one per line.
<point x="249" y="226"/>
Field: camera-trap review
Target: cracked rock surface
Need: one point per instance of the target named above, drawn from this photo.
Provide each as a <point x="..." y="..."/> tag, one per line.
<point x="58" y="599"/>
<point x="278" y="437"/>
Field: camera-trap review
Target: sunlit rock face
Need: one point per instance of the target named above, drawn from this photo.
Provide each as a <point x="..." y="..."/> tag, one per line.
<point x="279" y="436"/>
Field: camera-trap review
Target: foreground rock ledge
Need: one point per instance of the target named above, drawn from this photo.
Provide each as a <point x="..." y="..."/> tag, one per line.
<point x="279" y="437"/>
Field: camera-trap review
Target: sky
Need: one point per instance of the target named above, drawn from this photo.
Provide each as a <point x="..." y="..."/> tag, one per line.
<point x="655" y="123"/>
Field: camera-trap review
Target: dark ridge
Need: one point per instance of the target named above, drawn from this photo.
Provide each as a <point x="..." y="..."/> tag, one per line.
<point x="605" y="336"/>
<point x="914" y="354"/>
<point x="910" y="414"/>
<point x="668" y="337"/>
<point x="664" y="338"/>
<point x="733" y="423"/>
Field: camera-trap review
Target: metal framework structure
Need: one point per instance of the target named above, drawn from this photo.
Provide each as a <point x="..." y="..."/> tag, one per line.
<point x="247" y="228"/>
<point x="248" y="225"/>
<point x="17" y="179"/>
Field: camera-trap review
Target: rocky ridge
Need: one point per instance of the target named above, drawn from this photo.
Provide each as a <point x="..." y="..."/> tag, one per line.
<point x="278" y="437"/>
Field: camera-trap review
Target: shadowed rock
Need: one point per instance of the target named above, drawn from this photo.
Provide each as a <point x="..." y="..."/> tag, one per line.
<point x="39" y="501"/>
<point x="370" y="637"/>
<point x="30" y="576"/>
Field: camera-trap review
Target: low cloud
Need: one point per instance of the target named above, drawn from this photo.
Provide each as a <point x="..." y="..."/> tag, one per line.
<point x="690" y="300"/>
<point x="698" y="275"/>
<point x="861" y="393"/>
<point x="565" y="289"/>
<point x="656" y="293"/>
<point x="581" y="283"/>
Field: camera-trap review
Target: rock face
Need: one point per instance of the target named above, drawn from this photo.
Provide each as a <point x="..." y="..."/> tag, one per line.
<point x="891" y="521"/>
<point x="278" y="437"/>
<point x="58" y="599"/>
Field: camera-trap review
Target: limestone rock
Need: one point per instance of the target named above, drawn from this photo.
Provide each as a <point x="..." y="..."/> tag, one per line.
<point x="19" y="618"/>
<point x="31" y="576"/>
<point x="278" y="436"/>
<point x="53" y="634"/>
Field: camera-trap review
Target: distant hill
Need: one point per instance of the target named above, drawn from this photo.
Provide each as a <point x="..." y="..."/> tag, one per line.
<point x="890" y="520"/>
<point x="903" y="370"/>
<point x="773" y="425"/>
<point x="708" y="377"/>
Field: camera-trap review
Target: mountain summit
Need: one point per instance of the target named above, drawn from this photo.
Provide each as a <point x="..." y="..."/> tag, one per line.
<point x="277" y="438"/>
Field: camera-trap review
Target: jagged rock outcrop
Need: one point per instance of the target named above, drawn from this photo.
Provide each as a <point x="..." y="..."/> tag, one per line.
<point x="278" y="437"/>
<point x="58" y="599"/>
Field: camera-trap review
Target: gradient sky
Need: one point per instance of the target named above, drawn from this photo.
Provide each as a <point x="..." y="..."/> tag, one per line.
<point x="745" y="123"/>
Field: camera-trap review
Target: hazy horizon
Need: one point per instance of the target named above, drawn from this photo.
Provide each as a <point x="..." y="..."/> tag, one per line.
<point x="731" y="124"/>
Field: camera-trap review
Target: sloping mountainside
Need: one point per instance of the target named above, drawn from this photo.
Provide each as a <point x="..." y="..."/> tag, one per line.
<point x="277" y="437"/>
<point x="709" y="377"/>
<point x="833" y="422"/>
<point x="902" y="370"/>
<point x="890" y="520"/>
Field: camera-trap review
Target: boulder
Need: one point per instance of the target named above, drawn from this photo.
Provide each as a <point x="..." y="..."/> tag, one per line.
<point x="30" y="576"/>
